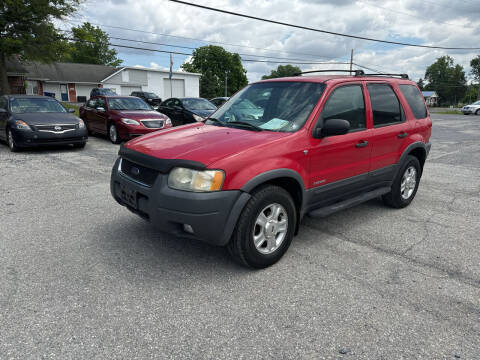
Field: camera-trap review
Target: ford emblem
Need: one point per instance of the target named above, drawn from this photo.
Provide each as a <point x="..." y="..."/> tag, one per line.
<point x="135" y="171"/>
<point x="57" y="128"/>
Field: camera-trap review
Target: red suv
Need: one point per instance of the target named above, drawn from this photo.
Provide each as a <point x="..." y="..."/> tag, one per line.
<point x="122" y="117"/>
<point x="246" y="176"/>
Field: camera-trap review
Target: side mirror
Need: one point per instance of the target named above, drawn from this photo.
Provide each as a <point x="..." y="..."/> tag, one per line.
<point x="332" y="127"/>
<point x="101" y="109"/>
<point x="71" y="111"/>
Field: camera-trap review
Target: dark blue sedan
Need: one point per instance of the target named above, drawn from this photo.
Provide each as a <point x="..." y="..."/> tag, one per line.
<point x="31" y="120"/>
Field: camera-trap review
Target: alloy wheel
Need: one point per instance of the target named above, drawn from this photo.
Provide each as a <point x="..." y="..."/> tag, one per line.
<point x="409" y="182"/>
<point x="112" y="131"/>
<point x="270" y="228"/>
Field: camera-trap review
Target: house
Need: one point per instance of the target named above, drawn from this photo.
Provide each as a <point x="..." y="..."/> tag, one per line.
<point x="73" y="82"/>
<point x="431" y="98"/>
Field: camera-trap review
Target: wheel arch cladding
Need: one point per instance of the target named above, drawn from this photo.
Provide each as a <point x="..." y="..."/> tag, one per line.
<point x="287" y="179"/>
<point x="420" y="153"/>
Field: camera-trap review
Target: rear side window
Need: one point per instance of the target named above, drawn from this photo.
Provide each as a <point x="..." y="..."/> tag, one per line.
<point x="385" y="105"/>
<point x="414" y="100"/>
<point x="346" y="103"/>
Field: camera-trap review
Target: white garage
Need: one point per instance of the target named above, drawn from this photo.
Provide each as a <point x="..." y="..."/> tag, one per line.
<point x="127" y="90"/>
<point x="174" y="88"/>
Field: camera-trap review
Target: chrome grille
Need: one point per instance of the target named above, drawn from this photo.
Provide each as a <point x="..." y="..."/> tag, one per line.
<point x="152" y="123"/>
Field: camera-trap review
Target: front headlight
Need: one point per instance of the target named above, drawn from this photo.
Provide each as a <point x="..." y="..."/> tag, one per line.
<point x="130" y="121"/>
<point x="198" y="118"/>
<point x="81" y="124"/>
<point x="193" y="180"/>
<point x="168" y="121"/>
<point x="22" y="125"/>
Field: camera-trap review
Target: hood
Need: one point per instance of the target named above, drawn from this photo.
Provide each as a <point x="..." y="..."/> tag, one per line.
<point x="138" y="114"/>
<point x="202" y="113"/>
<point x="200" y="142"/>
<point x="40" y="118"/>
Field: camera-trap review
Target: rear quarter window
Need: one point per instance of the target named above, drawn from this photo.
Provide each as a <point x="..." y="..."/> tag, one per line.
<point x="414" y="100"/>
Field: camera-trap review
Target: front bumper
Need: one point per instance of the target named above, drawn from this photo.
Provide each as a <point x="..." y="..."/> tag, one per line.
<point x="127" y="132"/>
<point x="27" y="138"/>
<point x="211" y="216"/>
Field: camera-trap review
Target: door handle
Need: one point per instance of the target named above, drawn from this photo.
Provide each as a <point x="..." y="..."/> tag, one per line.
<point x="402" y="135"/>
<point x="361" y="144"/>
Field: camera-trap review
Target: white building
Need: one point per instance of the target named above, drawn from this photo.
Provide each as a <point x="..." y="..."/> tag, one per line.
<point x="73" y="82"/>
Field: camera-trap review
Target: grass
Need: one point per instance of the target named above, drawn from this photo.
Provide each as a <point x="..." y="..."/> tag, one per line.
<point x="450" y="112"/>
<point x="71" y="106"/>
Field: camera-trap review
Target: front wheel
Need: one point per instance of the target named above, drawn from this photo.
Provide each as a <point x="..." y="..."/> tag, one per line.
<point x="113" y="134"/>
<point x="405" y="185"/>
<point x="477" y="112"/>
<point x="11" y="141"/>
<point x="80" y="145"/>
<point x="265" y="228"/>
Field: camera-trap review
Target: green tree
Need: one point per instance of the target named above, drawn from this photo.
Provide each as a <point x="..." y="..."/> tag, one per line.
<point x="26" y="29"/>
<point x="90" y="46"/>
<point x="475" y="64"/>
<point x="447" y="80"/>
<point x="216" y="64"/>
<point x="283" y="71"/>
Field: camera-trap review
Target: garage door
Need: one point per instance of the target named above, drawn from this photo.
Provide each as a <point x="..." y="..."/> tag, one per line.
<point x="177" y="90"/>
<point x="127" y="90"/>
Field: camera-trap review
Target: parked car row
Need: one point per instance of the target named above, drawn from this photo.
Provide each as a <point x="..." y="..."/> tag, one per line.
<point x="32" y="120"/>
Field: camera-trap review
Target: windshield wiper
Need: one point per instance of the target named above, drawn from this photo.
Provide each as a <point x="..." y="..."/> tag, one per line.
<point x="216" y="121"/>
<point x="243" y="123"/>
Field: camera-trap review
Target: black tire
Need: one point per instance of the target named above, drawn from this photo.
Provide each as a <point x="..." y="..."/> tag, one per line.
<point x="477" y="112"/>
<point x="80" y="145"/>
<point x="11" y="142"/>
<point x="114" y="140"/>
<point x="394" y="198"/>
<point x="242" y="247"/>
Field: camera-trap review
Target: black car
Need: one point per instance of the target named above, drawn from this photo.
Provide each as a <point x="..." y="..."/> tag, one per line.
<point x="102" y="92"/>
<point x="150" y="98"/>
<point x="32" y="120"/>
<point x="186" y="110"/>
<point x="219" y="101"/>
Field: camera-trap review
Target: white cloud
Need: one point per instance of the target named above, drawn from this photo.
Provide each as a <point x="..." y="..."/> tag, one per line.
<point x="441" y="22"/>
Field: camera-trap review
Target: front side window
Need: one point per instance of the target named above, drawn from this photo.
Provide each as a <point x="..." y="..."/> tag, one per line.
<point x="91" y="103"/>
<point x="100" y="103"/>
<point x="282" y="106"/>
<point x="385" y="105"/>
<point x="346" y="103"/>
<point x="127" y="103"/>
<point x="3" y="103"/>
<point x="33" y="105"/>
<point x="414" y="100"/>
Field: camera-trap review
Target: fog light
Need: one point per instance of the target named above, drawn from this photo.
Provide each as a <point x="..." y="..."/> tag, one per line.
<point x="188" y="228"/>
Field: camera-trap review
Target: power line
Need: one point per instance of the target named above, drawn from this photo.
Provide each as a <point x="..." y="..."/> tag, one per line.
<point x="194" y="48"/>
<point x="208" y="41"/>
<point x="320" y="30"/>
<point x="189" y="54"/>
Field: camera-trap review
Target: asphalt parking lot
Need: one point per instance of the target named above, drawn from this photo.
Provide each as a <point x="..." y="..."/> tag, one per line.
<point x="82" y="277"/>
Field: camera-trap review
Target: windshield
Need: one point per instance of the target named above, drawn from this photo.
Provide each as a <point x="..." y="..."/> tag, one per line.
<point x="476" y="103"/>
<point x="32" y="105"/>
<point x="198" y="104"/>
<point x="127" y="104"/>
<point x="105" y="91"/>
<point x="276" y="106"/>
<point x="150" y="95"/>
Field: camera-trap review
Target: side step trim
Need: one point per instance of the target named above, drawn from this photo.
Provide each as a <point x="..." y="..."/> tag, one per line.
<point x="330" y="209"/>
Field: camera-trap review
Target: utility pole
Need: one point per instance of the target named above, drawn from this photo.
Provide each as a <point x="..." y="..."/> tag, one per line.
<point x="226" y="76"/>
<point x="351" y="60"/>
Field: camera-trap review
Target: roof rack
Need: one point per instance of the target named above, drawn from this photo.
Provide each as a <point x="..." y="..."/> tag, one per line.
<point x="356" y="72"/>
<point x="403" y="76"/>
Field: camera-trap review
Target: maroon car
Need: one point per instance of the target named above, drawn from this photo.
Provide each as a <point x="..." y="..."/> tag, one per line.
<point x="122" y="117"/>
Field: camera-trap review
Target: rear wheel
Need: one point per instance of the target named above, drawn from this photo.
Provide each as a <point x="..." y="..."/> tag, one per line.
<point x="265" y="228"/>
<point x="113" y="134"/>
<point x="11" y="141"/>
<point x="405" y="185"/>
